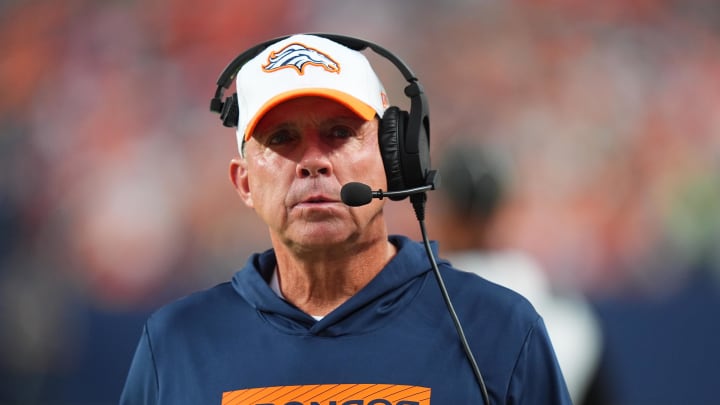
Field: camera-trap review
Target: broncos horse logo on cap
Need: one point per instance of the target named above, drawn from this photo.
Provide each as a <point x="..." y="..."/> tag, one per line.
<point x="298" y="56"/>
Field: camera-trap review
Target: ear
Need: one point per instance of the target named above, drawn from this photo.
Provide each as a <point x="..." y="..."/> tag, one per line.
<point x="239" y="178"/>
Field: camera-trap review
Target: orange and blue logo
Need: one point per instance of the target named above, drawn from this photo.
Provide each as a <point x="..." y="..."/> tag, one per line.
<point x="298" y="56"/>
<point x="330" y="394"/>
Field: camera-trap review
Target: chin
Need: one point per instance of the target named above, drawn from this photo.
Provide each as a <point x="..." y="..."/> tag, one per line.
<point x="319" y="237"/>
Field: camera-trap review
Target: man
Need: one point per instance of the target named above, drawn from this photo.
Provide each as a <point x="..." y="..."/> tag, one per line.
<point x="338" y="311"/>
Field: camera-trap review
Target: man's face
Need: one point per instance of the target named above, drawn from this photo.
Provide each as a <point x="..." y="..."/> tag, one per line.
<point x="302" y="152"/>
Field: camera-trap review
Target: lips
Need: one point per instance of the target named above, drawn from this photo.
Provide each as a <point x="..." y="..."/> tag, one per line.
<point x="316" y="200"/>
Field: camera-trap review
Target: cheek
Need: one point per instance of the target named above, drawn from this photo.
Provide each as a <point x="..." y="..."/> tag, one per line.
<point x="369" y="164"/>
<point x="267" y="179"/>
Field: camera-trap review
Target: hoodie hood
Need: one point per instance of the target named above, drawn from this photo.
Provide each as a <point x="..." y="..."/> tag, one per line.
<point x="383" y="298"/>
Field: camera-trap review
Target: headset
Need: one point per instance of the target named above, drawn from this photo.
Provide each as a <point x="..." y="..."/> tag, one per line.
<point x="404" y="137"/>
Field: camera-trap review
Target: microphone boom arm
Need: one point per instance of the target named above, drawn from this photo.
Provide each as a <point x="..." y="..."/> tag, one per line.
<point x="431" y="182"/>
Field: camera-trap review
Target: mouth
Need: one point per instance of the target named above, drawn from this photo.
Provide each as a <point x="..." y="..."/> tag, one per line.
<point x="316" y="201"/>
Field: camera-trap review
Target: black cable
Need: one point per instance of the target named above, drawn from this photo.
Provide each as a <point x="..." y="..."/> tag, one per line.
<point x="419" y="205"/>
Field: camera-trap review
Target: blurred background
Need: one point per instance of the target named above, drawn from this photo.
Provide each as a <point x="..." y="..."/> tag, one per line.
<point x="602" y="116"/>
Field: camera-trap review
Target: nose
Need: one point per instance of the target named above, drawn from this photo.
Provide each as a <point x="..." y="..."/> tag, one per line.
<point x="314" y="162"/>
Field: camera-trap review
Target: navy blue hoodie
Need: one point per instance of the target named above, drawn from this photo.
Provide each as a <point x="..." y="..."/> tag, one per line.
<point x="394" y="342"/>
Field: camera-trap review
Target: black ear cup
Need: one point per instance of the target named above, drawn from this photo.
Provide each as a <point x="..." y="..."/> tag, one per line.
<point x="390" y="135"/>
<point x="230" y="112"/>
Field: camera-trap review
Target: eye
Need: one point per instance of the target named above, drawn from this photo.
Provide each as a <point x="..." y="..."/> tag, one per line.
<point x="341" y="132"/>
<point x="280" y="137"/>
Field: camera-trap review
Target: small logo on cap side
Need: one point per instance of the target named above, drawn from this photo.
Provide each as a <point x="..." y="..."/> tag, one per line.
<point x="298" y="56"/>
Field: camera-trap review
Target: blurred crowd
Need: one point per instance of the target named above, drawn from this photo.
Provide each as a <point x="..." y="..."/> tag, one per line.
<point x="115" y="198"/>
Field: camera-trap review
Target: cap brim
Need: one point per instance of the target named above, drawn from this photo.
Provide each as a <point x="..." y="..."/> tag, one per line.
<point x="353" y="104"/>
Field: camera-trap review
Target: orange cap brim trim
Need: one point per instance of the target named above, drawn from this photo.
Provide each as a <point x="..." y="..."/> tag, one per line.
<point x="353" y="104"/>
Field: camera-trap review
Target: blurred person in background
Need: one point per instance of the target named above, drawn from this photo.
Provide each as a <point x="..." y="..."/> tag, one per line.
<point x="474" y="188"/>
<point x="338" y="309"/>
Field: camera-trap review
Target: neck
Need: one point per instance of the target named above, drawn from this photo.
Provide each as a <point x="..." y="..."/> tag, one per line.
<point x="319" y="281"/>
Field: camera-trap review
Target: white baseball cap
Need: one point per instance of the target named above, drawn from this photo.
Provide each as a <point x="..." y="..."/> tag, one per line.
<point x="306" y="65"/>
